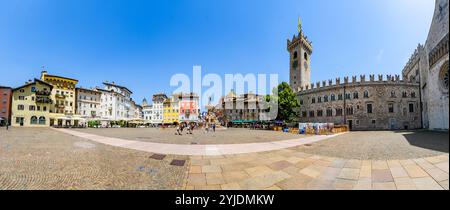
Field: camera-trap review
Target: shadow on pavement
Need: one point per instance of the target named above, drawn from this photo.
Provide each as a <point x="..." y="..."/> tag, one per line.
<point x="437" y="141"/>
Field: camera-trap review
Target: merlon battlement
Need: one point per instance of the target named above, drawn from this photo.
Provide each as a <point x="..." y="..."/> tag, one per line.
<point x="381" y="79"/>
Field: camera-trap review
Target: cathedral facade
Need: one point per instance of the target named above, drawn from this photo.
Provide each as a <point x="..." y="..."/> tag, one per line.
<point x="430" y="65"/>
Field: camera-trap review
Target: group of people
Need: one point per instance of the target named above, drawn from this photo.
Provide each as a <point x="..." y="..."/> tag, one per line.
<point x="180" y="128"/>
<point x="191" y="126"/>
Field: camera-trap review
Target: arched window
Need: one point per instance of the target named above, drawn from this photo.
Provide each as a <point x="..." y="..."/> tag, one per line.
<point x="42" y="120"/>
<point x="333" y="97"/>
<point x="392" y="94"/>
<point x="34" y="120"/>
<point x="325" y="98"/>
<point x="404" y="94"/>
<point x="295" y="55"/>
<point x="305" y="55"/>
<point x="413" y="94"/>
<point x="366" y="94"/>
<point x="355" y="95"/>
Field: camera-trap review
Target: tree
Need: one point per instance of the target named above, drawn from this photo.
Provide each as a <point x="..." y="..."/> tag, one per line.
<point x="287" y="102"/>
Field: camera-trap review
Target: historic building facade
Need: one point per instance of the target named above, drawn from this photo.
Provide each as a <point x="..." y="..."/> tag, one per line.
<point x="171" y="114"/>
<point x="32" y="104"/>
<point x="63" y="111"/>
<point x="245" y="107"/>
<point x="147" y="110"/>
<point x="189" y="107"/>
<point x="88" y="103"/>
<point x="430" y="64"/>
<point x="5" y="105"/>
<point x="382" y="103"/>
<point x="375" y="104"/>
<point x="157" y="109"/>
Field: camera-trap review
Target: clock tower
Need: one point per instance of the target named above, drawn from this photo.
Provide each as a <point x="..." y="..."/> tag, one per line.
<point x="300" y="50"/>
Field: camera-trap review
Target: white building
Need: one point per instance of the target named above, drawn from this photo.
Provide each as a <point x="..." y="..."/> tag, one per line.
<point x="430" y="64"/>
<point x="115" y="103"/>
<point x="158" y="108"/>
<point x="147" y="110"/>
<point x="88" y="103"/>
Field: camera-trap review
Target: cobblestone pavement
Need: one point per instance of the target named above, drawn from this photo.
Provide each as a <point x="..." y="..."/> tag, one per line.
<point x="46" y="159"/>
<point x="228" y="136"/>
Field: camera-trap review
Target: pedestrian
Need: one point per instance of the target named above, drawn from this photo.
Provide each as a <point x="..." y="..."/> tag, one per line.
<point x="214" y="127"/>
<point x="7" y="125"/>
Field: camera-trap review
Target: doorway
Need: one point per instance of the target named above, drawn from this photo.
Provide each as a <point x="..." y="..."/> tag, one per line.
<point x="350" y="125"/>
<point x="392" y="123"/>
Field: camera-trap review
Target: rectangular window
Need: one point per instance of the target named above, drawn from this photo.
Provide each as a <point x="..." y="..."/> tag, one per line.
<point x="391" y="108"/>
<point x="303" y="114"/>
<point x="319" y="113"/>
<point x="20" y="107"/>
<point x="411" y="108"/>
<point x="369" y="109"/>
<point x="38" y="108"/>
<point x="338" y="112"/>
<point x="21" y="98"/>
<point x="32" y="108"/>
<point x="329" y="112"/>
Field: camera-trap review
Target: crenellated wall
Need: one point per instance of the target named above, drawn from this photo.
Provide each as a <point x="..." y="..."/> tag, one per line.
<point x="326" y="102"/>
<point x="360" y="80"/>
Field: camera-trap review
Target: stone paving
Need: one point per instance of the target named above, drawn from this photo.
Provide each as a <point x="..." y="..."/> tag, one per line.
<point x="167" y="135"/>
<point x="289" y="169"/>
<point x="181" y="149"/>
<point x="38" y="158"/>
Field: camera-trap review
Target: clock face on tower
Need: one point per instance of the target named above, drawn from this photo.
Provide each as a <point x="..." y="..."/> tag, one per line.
<point x="306" y="65"/>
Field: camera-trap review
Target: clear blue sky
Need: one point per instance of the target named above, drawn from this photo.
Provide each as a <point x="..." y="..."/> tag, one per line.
<point x="141" y="44"/>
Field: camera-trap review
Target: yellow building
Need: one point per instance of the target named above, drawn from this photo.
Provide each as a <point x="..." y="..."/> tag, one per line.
<point x="63" y="110"/>
<point x="171" y="111"/>
<point x="31" y="104"/>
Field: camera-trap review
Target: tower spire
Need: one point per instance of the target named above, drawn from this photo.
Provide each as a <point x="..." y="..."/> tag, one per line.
<point x="299" y="26"/>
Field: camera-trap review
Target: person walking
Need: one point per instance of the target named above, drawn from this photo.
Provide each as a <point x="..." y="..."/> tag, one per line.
<point x="214" y="127"/>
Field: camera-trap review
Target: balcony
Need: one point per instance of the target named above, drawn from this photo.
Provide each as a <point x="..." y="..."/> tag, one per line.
<point x="59" y="96"/>
<point x="43" y="93"/>
<point x="44" y="100"/>
<point x="60" y="106"/>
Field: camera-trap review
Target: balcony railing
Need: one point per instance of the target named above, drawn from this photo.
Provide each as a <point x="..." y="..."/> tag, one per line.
<point x="44" y="100"/>
<point x="59" y="96"/>
<point x="43" y="93"/>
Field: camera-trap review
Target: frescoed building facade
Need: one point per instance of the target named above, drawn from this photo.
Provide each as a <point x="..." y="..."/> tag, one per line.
<point x="32" y="104"/>
<point x="189" y="107"/>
